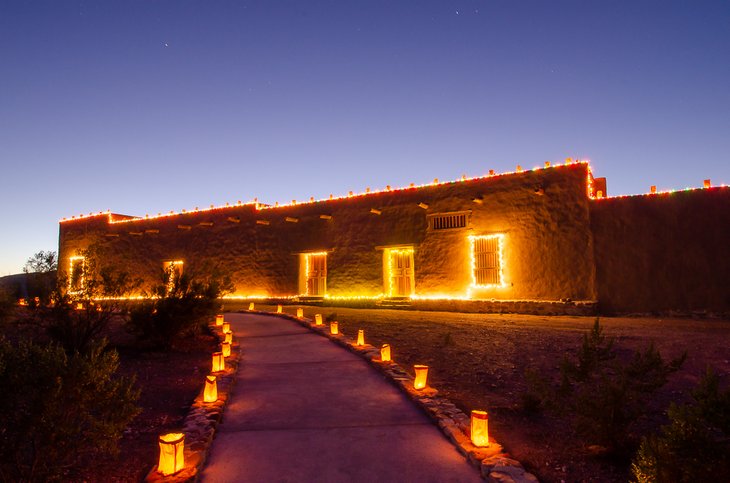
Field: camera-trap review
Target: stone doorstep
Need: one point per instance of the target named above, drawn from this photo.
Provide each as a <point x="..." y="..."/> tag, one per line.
<point x="494" y="464"/>
<point x="201" y="423"/>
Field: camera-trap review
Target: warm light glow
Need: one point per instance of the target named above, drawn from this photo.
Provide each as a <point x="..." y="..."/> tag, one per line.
<point x="500" y="259"/>
<point x="219" y="362"/>
<point x="334" y="329"/>
<point x="479" y="428"/>
<point x="210" y="393"/>
<point x="228" y="337"/>
<point x="226" y="349"/>
<point x="76" y="274"/>
<point x="173" y="271"/>
<point x="308" y="271"/>
<point x="389" y="268"/>
<point x="79" y="306"/>
<point x="421" y="376"/>
<point x="360" y="337"/>
<point x="318" y="319"/>
<point x="172" y="457"/>
<point x="251" y="306"/>
<point x="385" y="353"/>
<point x="279" y="309"/>
<point x="354" y="297"/>
<point x="226" y="327"/>
<point x="300" y="313"/>
<point x="219" y="320"/>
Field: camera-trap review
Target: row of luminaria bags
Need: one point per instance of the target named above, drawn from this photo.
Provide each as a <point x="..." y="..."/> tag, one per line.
<point x="172" y="445"/>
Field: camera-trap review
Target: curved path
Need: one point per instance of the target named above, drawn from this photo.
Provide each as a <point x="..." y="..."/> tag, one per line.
<point x="306" y="410"/>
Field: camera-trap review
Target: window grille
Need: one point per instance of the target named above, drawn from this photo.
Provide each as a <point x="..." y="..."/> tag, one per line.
<point x="487" y="260"/>
<point x="448" y="221"/>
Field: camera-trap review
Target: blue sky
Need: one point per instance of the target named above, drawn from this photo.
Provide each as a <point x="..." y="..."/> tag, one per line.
<point x="147" y="106"/>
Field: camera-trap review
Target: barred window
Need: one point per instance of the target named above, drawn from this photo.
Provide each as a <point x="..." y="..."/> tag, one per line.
<point x="487" y="260"/>
<point x="448" y="221"/>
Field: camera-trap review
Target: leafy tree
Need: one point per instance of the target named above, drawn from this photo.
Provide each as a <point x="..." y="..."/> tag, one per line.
<point x="42" y="262"/>
<point x="694" y="445"/>
<point x="40" y="270"/>
<point x="57" y="407"/>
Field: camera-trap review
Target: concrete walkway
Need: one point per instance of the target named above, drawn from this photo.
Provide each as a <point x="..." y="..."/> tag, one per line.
<point x="307" y="410"/>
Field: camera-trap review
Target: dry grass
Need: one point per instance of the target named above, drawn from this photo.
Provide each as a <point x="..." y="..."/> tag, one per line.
<point x="479" y="361"/>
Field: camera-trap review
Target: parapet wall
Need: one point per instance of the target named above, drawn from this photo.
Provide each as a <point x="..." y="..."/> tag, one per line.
<point x="543" y="214"/>
<point x="663" y="252"/>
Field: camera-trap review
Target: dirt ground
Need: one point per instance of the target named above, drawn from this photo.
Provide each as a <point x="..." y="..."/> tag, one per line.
<point x="169" y="382"/>
<point x="479" y="361"/>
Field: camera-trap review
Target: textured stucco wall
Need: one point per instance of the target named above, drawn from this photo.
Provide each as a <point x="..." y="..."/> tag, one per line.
<point x="663" y="252"/>
<point x="548" y="242"/>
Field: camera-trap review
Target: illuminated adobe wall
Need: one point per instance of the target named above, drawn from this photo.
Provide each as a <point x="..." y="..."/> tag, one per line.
<point x="663" y="252"/>
<point x="543" y="214"/>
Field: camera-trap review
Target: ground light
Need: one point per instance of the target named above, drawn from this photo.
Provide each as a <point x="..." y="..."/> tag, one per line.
<point x="479" y="428"/>
<point x="219" y="362"/>
<point x="226" y="349"/>
<point x="250" y="306"/>
<point x="219" y="320"/>
<point x="229" y="337"/>
<point x="318" y="319"/>
<point x="278" y="309"/>
<point x="300" y="313"/>
<point x="360" y="337"/>
<point x="334" y="329"/>
<point x="385" y="353"/>
<point x="421" y="376"/>
<point x="226" y="327"/>
<point x="210" y="393"/>
<point x="172" y="458"/>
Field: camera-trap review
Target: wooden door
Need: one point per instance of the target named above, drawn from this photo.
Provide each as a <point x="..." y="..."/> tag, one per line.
<point x="317" y="275"/>
<point x="401" y="273"/>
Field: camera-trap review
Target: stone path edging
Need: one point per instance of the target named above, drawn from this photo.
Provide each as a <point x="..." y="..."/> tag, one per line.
<point x="203" y="419"/>
<point x="494" y="464"/>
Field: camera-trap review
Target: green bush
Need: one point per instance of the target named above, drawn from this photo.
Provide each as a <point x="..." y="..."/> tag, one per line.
<point x="601" y="395"/>
<point x="57" y="407"/>
<point x="694" y="445"/>
<point x="179" y="309"/>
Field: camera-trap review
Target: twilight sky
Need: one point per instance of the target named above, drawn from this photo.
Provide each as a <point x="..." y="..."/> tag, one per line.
<point x="156" y="105"/>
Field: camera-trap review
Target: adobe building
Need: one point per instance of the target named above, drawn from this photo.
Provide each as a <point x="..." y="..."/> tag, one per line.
<point x="547" y="240"/>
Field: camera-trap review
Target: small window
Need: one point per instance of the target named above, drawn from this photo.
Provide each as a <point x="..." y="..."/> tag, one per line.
<point x="486" y="260"/>
<point x="76" y="274"/>
<point x="173" y="271"/>
<point x="448" y="221"/>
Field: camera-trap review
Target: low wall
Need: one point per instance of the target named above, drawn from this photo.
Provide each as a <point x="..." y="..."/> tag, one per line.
<point x="663" y="253"/>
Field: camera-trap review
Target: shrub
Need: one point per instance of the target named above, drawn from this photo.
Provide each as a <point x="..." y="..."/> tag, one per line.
<point x="602" y="395"/>
<point x="179" y="310"/>
<point x="7" y="304"/>
<point x="77" y="320"/>
<point x="57" y="407"/>
<point x="694" y="445"/>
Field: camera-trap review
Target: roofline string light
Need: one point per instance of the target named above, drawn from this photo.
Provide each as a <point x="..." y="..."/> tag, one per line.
<point x="368" y="192"/>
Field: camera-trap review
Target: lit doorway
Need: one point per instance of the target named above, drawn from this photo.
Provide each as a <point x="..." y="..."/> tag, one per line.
<point x="313" y="274"/>
<point x="399" y="272"/>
